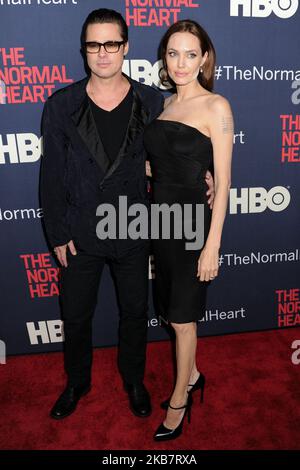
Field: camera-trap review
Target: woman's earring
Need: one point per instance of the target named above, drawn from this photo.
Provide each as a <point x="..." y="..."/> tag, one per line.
<point x="201" y="69"/>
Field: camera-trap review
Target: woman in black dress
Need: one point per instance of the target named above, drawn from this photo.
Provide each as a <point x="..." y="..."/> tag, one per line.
<point x="194" y="131"/>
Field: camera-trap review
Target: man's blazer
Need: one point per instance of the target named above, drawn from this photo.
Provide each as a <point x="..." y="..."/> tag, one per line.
<point x="76" y="175"/>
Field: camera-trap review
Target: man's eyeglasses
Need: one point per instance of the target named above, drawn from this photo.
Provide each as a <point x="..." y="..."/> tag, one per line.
<point x="93" y="47"/>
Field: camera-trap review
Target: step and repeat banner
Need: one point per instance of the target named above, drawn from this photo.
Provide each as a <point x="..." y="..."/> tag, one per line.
<point x="258" y="70"/>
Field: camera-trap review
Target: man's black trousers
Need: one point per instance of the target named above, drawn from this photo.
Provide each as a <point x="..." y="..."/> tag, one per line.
<point x="79" y="291"/>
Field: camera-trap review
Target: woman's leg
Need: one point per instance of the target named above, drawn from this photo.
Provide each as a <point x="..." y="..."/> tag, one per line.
<point x="186" y="344"/>
<point x="194" y="374"/>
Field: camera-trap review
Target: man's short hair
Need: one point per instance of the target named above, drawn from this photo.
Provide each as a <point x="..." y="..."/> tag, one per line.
<point x="104" y="15"/>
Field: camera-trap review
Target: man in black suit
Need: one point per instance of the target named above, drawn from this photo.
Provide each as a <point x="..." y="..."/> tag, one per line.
<point x="93" y="153"/>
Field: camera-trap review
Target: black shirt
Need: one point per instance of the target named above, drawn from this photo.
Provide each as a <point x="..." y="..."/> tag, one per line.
<point x="112" y="125"/>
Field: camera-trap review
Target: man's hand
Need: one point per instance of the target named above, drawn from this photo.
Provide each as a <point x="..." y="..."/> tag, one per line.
<point x="211" y="189"/>
<point x="148" y="169"/>
<point x="61" y="252"/>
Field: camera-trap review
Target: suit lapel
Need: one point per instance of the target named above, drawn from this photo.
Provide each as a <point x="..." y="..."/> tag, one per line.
<point x="86" y="127"/>
<point x="136" y="124"/>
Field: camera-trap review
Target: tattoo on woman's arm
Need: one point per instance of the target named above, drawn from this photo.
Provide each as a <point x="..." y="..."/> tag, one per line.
<point x="227" y="124"/>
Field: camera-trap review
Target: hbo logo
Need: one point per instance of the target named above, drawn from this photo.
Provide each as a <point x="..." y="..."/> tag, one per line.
<point x="263" y="8"/>
<point x="252" y="200"/>
<point x="144" y="71"/>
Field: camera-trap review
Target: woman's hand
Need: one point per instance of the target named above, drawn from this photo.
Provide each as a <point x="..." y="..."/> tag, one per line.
<point x="208" y="264"/>
<point x="148" y="169"/>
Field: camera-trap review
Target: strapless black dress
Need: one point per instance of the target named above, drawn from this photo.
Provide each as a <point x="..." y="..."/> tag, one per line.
<point x="179" y="155"/>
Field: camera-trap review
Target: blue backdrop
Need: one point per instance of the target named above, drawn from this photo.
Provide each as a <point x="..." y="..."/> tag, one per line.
<point x="257" y="44"/>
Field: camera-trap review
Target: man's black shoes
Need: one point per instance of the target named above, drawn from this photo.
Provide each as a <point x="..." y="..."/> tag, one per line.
<point x="139" y="399"/>
<point x="67" y="402"/>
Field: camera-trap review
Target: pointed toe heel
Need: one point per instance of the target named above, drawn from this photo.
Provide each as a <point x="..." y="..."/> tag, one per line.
<point x="164" y="434"/>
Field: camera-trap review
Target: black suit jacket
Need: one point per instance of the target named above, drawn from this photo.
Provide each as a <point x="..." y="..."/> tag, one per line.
<point x="76" y="175"/>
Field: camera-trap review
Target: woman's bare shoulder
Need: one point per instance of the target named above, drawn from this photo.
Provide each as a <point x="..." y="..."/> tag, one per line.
<point x="168" y="101"/>
<point x="218" y="103"/>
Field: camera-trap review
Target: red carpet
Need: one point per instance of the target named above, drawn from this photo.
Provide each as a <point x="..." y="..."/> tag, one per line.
<point x="252" y="399"/>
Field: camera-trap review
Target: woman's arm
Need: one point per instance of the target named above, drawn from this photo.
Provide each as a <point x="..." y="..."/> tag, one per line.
<point x="220" y="122"/>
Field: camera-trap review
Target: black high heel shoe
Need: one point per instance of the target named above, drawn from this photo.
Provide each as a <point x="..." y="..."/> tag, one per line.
<point x="198" y="385"/>
<point x="164" y="434"/>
